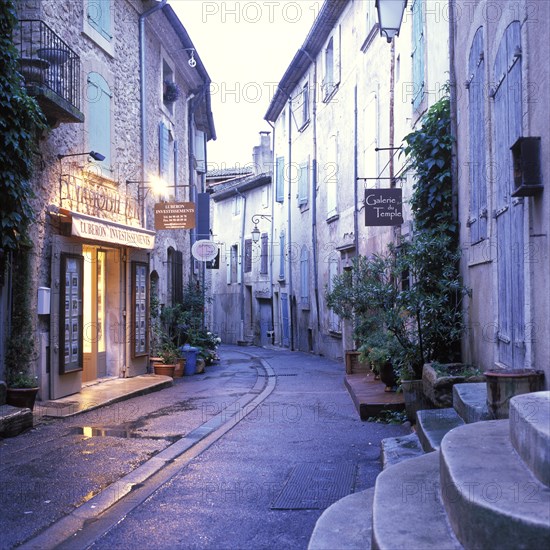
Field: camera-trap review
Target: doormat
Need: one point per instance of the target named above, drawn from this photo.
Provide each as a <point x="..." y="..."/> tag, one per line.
<point x="316" y="486"/>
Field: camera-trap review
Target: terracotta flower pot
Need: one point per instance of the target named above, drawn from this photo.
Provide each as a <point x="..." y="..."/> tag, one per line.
<point x="165" y="370"/>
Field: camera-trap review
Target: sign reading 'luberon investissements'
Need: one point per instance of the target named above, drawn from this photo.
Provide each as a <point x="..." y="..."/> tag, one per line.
<point x="383" y="207"/>
<point x="174" y="215"/>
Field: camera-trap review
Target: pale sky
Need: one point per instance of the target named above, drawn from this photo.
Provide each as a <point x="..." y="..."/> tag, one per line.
<point x="246" y="46"/>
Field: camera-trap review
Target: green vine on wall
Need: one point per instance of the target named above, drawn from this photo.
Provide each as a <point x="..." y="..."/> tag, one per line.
<point x="21" y="121"/>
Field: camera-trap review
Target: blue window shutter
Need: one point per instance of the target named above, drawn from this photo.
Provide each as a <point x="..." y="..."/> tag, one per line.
<point x="99" y="117"/>
<point x="279" y="180"/>
<point x="282" y="256"/>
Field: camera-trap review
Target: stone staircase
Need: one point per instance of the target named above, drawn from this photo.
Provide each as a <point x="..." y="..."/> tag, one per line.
<point x="481" y="484"/>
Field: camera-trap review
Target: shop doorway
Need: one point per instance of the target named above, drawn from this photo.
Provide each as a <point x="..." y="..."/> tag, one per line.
<point x="94" y="313"/>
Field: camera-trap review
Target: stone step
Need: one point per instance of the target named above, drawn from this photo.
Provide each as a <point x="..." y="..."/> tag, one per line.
<point x="14" y="420"/>
<point x="345" y="525"/>
<point x="397" y="449"/>
<point x="470" y="401"/>
<point x="433" y="424"/>
<point x="492" y="498"/>
<point x="407" y="508"/>
<point x="530" y="431"/>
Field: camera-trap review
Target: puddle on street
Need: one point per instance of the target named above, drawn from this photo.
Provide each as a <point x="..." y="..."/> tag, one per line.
<point x="91" y="431"/>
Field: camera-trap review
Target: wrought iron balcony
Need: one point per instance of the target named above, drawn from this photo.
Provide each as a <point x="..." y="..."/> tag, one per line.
<point x="51" y="71"/>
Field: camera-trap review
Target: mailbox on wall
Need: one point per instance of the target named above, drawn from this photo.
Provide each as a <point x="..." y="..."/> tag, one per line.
<point x="526" y="166"/>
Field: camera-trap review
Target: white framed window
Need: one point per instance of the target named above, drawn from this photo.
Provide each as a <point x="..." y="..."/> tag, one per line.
<point x="332" y="66"/>
<point x="280" y="179"/>
<point x="304" y="277"/>
<point x="236" y="205"/>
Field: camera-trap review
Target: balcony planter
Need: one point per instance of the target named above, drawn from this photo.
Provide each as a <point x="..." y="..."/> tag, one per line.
<point x="438" y="381"/>
<point x="504" y="384"/>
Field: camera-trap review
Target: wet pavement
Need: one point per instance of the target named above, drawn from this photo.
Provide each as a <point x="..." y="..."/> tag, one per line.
<point x="224" y="452"/>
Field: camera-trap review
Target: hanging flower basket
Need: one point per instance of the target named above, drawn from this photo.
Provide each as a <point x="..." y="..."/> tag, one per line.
<point x="171" y="91"/>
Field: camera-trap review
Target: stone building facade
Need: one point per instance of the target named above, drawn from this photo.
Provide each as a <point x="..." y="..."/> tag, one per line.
<point x="127" y="101"/>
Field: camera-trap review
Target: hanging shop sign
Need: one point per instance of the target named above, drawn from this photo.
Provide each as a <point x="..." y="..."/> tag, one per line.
<point x="96" y="229"/>
<point x="175" y="215"/>
<point x="204" y="250"/>
<point x="383" y="207"/>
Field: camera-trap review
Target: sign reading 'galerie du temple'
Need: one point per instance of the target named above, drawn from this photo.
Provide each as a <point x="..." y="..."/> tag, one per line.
<point x="383" y="207"/>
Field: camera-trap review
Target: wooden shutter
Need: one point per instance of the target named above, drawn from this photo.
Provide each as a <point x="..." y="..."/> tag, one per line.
<point x="99" y="17"/>
<point x="303" y="183"/>
<point x="248" y="255"/>
<point x="477" y="219"/>
<point x="417" y="52"/>
<point x="164" y="150"/>
<point x="99" y="117"/>
<point x="282" y="256"/>
<point x="264" y="254"/>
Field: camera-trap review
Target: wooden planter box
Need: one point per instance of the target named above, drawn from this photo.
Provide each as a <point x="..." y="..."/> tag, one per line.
<point x="354" y="365"/>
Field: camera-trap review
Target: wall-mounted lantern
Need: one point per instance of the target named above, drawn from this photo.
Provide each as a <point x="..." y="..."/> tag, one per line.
<point x="390" y="15"/>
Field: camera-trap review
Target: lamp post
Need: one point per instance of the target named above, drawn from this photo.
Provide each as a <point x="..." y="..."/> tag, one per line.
<point x="255" y="233"/>
<point x="390" y="15"/>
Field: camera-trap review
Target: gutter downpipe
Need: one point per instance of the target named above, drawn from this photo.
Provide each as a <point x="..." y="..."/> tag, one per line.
<point x="355" y="176"/>
<point x="452" y="99"/>
<point x="241" y="252"/>
<point x="290" y="289"/>
<point x="271" y="231"/>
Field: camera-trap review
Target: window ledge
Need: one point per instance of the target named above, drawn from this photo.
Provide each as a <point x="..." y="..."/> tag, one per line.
<point x="333" y="218"/>
<point x="304" y="125"/>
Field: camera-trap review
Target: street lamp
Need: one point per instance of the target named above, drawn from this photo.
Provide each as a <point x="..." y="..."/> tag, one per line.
<point x="255" y="233"/>
<point x="94" y="154"/>
<point x="390" y="15"/>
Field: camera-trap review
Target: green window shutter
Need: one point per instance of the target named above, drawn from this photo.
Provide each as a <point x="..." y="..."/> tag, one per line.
<point x="99" y="17"/>
<point x="99" y="117"/>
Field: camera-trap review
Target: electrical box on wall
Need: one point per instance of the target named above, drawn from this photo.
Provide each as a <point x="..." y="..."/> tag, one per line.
<point x="526" y="165"/>
<point x="43" y="307"/>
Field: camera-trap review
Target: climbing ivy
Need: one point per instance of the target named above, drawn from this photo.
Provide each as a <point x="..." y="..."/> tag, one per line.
<point x="21" y="120"/>
<point x="429" y="152"/>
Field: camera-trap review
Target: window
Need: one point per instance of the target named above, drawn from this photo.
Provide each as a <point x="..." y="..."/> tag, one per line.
<point x="71" y="296"/>
<point x="167" y="80"/>
<point x="167" y="155"/>
<point x="477" y="219"/>
<point x="248" y="255"/>
<point x="236" y="207"/>
<point x="303" y="183"/>
<point x="233" y="265"/>
<point x="200" y="151"/>
<point x="99" y="117"/>
<point x="140" y="300"/>
<point x="331" y="78"/>
<point x="304" y="105"/>
<point x="98" y="15"/>
<point x="304" y="277"/>
<point x="417" y="53"/>
<point x="334" y="322"/>
<point x="264" y="254"/>
<point x="331" y="177"/>
<point x="282" y="257"/>
<point x="174" y="276"/>
<point x="279" y="179"/>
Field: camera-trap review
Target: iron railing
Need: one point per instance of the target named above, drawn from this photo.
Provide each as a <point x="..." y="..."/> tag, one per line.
<point x="47" y="61"/>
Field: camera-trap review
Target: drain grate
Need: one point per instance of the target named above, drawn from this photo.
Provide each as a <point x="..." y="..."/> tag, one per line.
<point x="315" y="486"/>
<point x="275" y="375"/>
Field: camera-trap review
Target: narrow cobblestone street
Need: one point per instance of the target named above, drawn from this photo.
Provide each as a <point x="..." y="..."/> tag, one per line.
<point x="277" y="416"/>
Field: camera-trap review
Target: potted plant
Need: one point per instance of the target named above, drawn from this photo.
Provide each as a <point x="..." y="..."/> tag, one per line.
<point x="20" y="357"/>
<point x="381" y="361"/>
<point x="170" y="355"/>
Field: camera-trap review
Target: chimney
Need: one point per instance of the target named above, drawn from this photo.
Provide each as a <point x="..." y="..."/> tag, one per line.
<point x="262" y="156"/>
